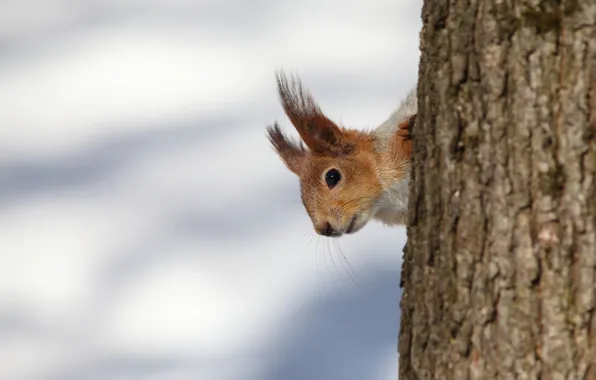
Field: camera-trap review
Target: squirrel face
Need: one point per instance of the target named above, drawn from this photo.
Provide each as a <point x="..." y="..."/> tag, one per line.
<point x="343" y="178"/>
<point x="339" y="194"/>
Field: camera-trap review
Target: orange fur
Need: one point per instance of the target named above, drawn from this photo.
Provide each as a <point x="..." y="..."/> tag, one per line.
<point x="373" y="166"/>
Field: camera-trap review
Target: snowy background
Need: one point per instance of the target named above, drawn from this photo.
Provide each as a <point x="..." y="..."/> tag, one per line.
<point x="147" y="229"/>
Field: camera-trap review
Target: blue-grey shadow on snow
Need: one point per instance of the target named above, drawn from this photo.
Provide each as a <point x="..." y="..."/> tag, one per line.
<point x="345" y="335"/>
<point x="84" y="17"/>
<point x="134" y="367"/>
<point x="23" y="178"/>
<point x="241" y="218"/>
<point x="193" y="223"/>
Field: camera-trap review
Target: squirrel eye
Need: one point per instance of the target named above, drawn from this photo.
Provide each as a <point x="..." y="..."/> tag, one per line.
<point x="332" y="177"/>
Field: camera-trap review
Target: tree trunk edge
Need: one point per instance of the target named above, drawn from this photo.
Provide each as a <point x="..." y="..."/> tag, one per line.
<point x="506" y="130"/>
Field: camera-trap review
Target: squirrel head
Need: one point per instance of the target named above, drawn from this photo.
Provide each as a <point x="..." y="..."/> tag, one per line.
<point x="340" y="178"/>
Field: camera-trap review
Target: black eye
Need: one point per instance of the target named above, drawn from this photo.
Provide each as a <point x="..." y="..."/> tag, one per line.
<point x="332" y="177"/>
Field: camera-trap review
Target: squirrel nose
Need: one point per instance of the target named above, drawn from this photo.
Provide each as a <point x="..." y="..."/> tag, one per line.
<point x="326" y="230"/>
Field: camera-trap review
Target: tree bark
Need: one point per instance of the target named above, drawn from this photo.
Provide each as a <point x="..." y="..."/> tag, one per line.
<point x="499" y="275"/>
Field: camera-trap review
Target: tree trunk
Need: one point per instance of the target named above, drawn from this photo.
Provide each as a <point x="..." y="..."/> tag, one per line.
<point x="499" y="270"/>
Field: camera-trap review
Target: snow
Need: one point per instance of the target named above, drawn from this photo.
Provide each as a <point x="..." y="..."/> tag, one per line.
<point x="147" y="229"/>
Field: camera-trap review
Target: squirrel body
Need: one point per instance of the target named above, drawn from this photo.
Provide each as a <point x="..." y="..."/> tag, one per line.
<point x="347" y="176"/>
<point x="393" y="205"/>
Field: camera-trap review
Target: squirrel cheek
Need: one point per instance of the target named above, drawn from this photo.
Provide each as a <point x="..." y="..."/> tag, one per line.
<point x="313" y="216"/>
<point x="335" y="212"/>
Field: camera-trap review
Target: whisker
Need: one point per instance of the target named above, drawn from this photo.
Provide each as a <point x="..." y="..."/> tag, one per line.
<point x="305" y="234"/>
<point x="322" y="254"/>
<point x="345" y="262"/>
<point x="359" y="200"/>
<point x="336" y="281"/>
<point x="317" y="239"/>
<point x="329" y="251"/>
<point x="330" y="273"/>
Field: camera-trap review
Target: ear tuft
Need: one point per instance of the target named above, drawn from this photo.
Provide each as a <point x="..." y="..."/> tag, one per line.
<point x="292" y="153"/>
<point x="319" y="133"/>
<point x="298" y="103"/>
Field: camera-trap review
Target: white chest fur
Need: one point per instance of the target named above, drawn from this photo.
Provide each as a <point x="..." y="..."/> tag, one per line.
<point x="392" y="208"/>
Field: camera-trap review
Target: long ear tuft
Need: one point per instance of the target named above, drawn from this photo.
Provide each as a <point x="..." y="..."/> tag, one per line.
<point x="292" y="153"/>
<point x="319" y="133"/>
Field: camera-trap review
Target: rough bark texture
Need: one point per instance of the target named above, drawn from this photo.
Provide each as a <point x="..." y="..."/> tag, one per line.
<point x="499" y="271"/>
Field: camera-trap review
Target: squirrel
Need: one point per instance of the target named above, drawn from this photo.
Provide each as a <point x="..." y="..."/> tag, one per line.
<point x="347" y="176"/>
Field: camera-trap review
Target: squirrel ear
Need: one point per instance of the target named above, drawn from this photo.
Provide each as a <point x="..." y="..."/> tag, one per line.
<point x="292" y="154"/>
<point x="319" y="133"/>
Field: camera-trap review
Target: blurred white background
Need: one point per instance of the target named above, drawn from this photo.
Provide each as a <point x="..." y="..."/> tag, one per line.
<point x="147" y="229"/>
